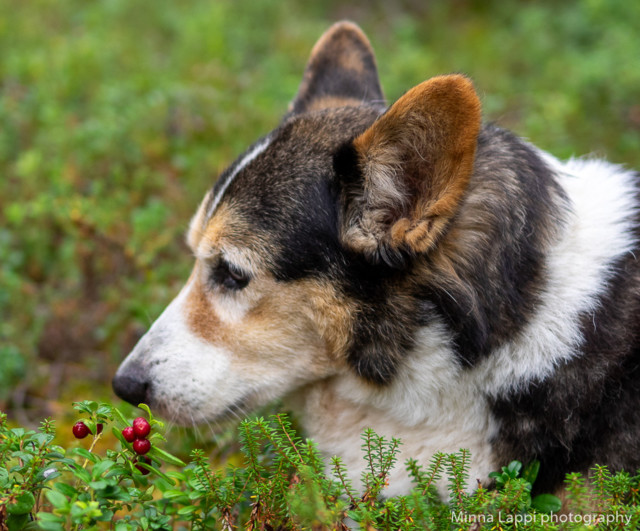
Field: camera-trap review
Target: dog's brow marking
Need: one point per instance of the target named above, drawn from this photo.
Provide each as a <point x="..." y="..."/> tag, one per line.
<point x="259" y="148"/>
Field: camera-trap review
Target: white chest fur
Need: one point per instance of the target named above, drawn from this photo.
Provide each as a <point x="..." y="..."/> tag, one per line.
<point x="431" y="409"/>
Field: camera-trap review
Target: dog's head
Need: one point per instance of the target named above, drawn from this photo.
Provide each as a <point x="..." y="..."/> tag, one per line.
<point x="306" y="245"/>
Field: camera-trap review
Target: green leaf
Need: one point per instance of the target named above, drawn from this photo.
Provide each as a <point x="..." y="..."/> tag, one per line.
<point x="51" y="526"/>
<point x="161" y="455"/>
<point x="173" y="494"/>
<point x="122" y="526"/>
<point x="157" y="437"/>
<point x="104" y="410"/>
<point x="99" y="485"/>
<point x="513" y="469"/>
<point x="86" y="406"/>
<point x="120" y="418"/>
<point x="159" y="473"/>
<point x="4" y="478"/>
<point x="120" y="495"/>
<point x="117" y="433"/>
<point x="116" y="470"/>
<point x="66" y="489"/>
<point x="82" y="474"/>
<point x="145" y="407"/>
<point x="530" y="472"/>
<point x="101" y="467"/>
<point x="54" y="455"/>
<point x="546" y="503"/>
<point x="56" y="498"/>
<point x="107" y="516"/>
<point x="23" y="504"/>
<point x="25" y="456"/>
<point x="50" y="517"/>
<point x="91" y="424"/>
<point x="177" y="475"/>
<point x="17" y="522"/>
<point x="86" y="454"/>
<point x="51" y="474"/>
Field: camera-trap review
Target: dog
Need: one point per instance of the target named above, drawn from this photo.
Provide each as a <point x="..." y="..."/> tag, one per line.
<point x="413" y="270"/>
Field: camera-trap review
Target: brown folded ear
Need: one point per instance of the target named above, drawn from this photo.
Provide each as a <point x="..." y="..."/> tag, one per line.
<point x="341" y="71"/>
<point x="412" y="168"/>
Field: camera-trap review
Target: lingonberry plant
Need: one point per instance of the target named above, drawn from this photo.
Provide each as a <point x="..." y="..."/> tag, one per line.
<point x="284" y="484"/>
<point x="44" y="486"/>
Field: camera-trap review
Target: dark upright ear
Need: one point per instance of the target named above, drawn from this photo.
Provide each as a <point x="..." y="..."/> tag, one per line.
<point x="341" y="71"/>
<point x="403" y="178"/>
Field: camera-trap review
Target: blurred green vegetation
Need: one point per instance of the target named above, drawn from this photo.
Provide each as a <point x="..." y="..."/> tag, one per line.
<point x="117" y="115"/>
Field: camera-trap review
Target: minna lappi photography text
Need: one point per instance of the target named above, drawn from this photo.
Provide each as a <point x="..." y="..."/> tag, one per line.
<point x="526" y="519"/>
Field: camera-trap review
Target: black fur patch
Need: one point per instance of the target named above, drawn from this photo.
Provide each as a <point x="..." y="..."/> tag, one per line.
<point x="589" y="411"/>
<point x="346" y="165"/>
<point x="386" y="321"/>
<point x="496" y="288"/>
<point x="223" y="178"/>
<point x="288" y="193"/>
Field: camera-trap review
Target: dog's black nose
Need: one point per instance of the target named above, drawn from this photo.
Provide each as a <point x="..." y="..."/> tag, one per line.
<point x="132" y="385"/>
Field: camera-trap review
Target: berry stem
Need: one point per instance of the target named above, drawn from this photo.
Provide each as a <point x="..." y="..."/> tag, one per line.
<point x="96" y="438"/>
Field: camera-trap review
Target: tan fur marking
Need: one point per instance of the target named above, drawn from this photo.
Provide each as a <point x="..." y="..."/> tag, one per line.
<point x="332" y="102"/>
<point x="339" y="37"/>
<point x="416" y="236"/>
<point x="333" y="314"/>
<point x="263" y="330"/>
<point x="229" y="229"/>
<point x="196" y="226"/>
<point x="218" y="226"/>
<point x="315" y="320"/>
<point x="201" y="318"/>
<point x="417" y="159"/>
<point x="400" y="228"/>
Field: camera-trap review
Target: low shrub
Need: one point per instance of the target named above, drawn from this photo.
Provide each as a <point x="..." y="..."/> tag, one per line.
<point x="283" y="484"/>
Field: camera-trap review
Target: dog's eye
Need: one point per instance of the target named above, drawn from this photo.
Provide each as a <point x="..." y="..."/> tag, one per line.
<point x="229" y="276"/>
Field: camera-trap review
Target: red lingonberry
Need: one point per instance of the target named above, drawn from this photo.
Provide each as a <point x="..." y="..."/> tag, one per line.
<point x="99" y="427"/>
<point x="142" y="459"/>
<point x="141" y="427"/>
<point x="80" y="430"/>
<point x="141" y="446"/>
<point x="129" y="434"/>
